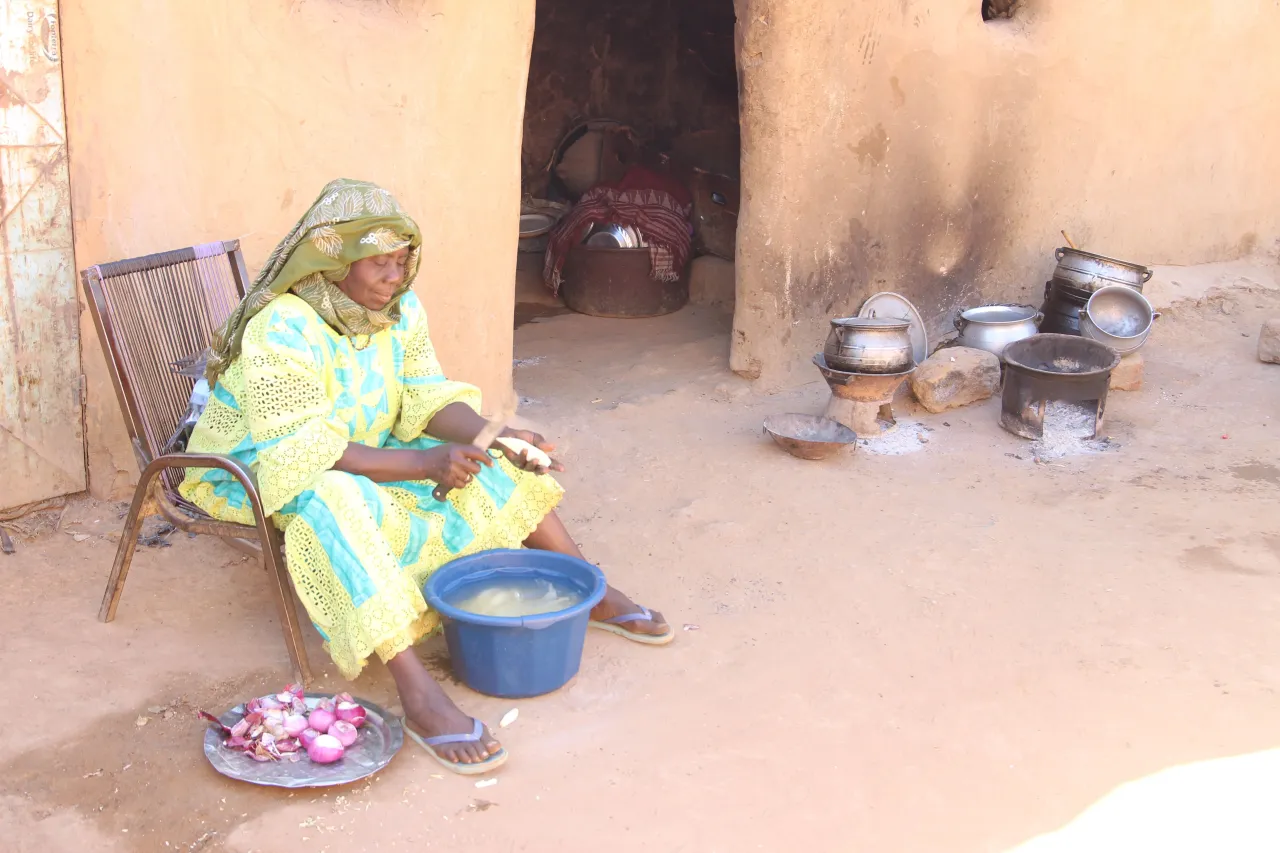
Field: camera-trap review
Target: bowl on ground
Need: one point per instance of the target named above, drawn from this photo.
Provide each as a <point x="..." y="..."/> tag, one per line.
<point x="809" y="436"/>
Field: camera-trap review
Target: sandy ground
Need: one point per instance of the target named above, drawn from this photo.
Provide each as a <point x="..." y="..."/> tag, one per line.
<point x="955" y="649"/>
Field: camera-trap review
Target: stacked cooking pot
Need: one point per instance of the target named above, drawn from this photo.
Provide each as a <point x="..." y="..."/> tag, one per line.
<point x="869" y="345"/>
<point x="1076" y="278"/>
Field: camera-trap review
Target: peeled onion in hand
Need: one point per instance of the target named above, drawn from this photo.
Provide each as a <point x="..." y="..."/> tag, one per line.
<point x="325" y="749"/>
<point x="531" y="453"/>
<point x="344" y="732"/>
<point x="321" y="719"/>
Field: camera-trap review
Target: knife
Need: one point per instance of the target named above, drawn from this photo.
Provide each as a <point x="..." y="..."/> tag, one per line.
<point x="484" y="438"/>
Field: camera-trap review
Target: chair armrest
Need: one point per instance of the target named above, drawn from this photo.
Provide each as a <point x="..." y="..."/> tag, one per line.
<point x="233" y="467"/>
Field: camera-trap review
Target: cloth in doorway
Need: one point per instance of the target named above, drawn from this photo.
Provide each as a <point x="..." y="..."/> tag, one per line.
<point x="655" y="205"/>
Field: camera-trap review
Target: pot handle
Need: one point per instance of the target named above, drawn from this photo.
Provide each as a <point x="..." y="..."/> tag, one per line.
<point x="1048" y="288"/>
<point x="1155" y="315"/>
<point x="1039" y="318"/>
<point x="1146" y="275"/>
<point x="1058" y="253"/>
<point x="959" y="321"/>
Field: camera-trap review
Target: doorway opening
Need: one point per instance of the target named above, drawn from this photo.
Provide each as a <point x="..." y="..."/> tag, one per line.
<point x="624" y="96"/>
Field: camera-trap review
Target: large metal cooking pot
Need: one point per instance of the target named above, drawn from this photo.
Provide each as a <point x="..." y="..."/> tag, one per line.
<point x="1119" y="317"/>
<point x="1090" y="272"/>
<point x="1062" y="306"/>
<point x="994" y="327"/>
<point x="869" y="345"/>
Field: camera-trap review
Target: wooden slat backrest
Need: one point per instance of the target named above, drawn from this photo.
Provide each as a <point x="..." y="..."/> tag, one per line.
<point x="151" y="312"/>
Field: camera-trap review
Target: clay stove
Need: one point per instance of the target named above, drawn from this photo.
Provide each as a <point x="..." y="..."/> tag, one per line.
<point x="861" y="401"/>
<point x="1048" y="368"/>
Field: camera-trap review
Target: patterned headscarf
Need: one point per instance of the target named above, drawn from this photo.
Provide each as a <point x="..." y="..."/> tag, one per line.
<point x="350" y="220"/>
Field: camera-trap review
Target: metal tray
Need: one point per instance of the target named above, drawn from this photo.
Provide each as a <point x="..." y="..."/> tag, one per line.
<point x="380" y="739"/>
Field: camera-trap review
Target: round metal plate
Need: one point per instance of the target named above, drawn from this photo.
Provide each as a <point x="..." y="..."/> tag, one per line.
<point x="892" y="305"/>
<point x="535" y="225"/>
<point x="380" y="739"/>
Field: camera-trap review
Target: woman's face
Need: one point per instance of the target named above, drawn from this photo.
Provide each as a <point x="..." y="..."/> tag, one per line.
<point x="373" y="281"/>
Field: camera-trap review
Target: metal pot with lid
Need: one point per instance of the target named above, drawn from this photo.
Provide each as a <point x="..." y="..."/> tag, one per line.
<point x="869" y="345"/>
<point x="1089" y="272"/>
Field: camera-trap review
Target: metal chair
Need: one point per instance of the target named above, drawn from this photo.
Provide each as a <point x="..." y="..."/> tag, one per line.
<point x="151" y="312"/>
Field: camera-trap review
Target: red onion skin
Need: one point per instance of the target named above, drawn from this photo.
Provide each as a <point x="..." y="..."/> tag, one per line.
<point x="308" y="737"/>
<point x="344" y="732"/>
<point x="321" y="719"/>
<point x="325" y="749"/>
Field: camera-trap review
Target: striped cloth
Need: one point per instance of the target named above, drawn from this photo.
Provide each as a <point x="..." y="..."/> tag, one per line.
<point x="661" y="219"/>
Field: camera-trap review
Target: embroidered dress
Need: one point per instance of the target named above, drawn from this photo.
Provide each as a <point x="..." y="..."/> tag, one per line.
<point x="288" y="403"/>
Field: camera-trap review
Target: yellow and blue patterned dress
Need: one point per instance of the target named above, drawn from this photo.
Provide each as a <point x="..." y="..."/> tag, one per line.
<point x="358" y="551"/>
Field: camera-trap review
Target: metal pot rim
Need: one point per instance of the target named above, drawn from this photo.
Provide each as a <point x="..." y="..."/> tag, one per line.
<point x="1027" y="313"/>
<point x="886" y="323"/>
<point x="1065" y="250"/>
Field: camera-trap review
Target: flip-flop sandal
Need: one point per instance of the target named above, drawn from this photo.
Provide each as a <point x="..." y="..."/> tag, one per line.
<point x="614" y="626"/>
<point x="493" y="762"/>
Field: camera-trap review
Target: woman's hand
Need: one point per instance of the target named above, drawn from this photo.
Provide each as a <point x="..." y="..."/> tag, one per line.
<point x="453" y="465"/>
<point x="519" y="459"/>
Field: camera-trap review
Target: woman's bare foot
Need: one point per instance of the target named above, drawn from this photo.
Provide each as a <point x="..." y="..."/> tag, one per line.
<point x="430" y="712"/>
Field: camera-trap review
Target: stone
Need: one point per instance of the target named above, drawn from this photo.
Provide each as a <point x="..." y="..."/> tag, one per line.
<point x="1128" y="373"/>
<point x="711" y="282"/>
<point x="955" y="377"/>
<point x="1269" y="342"/>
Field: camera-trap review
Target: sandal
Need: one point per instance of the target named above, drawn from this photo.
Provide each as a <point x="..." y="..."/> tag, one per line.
<point x="614" y="626"/>
<point x="477" y="734"/>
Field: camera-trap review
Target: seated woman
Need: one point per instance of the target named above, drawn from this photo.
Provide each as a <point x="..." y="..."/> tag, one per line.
<point x="326" y="385"/>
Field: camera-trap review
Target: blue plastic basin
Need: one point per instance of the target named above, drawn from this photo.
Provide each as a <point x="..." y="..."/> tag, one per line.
<point x="515" y="657"/>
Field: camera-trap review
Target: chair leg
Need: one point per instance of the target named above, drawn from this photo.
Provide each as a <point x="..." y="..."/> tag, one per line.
<point x="287" y="604"/>
<point x="124" y="553"/>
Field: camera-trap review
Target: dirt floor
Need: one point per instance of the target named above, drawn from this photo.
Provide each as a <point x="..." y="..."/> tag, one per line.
<point x="952" y="649"/>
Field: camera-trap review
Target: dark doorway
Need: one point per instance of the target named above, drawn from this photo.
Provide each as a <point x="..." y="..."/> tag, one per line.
<point x="648" y="84"/>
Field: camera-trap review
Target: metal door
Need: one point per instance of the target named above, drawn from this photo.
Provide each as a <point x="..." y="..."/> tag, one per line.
<point x="41" y="427"/>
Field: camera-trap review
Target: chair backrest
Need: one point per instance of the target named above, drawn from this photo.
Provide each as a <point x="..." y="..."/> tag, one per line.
<point x="151" y="312"/>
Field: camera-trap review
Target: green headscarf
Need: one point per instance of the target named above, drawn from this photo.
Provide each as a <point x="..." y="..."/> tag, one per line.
<point x="350" y="220"/>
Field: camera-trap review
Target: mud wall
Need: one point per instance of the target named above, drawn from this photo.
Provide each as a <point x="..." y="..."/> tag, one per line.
<point x="190" y="122"/>
<point x="663" y="67"/>
<point x="907" y="145"/>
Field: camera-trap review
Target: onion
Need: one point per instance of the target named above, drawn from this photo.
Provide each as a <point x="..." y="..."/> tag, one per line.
<point x="295" y="724"/>
<point x="321" y="719"/>
<point x="344" y="732"/>
<point x="352" y="713"/>
<point x="325" y="749"/>
<point x="308" y="737"/>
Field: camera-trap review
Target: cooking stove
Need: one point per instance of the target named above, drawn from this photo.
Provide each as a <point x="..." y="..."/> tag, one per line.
<point x="861" y="401"/>
<point x="1050" y="368"/>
